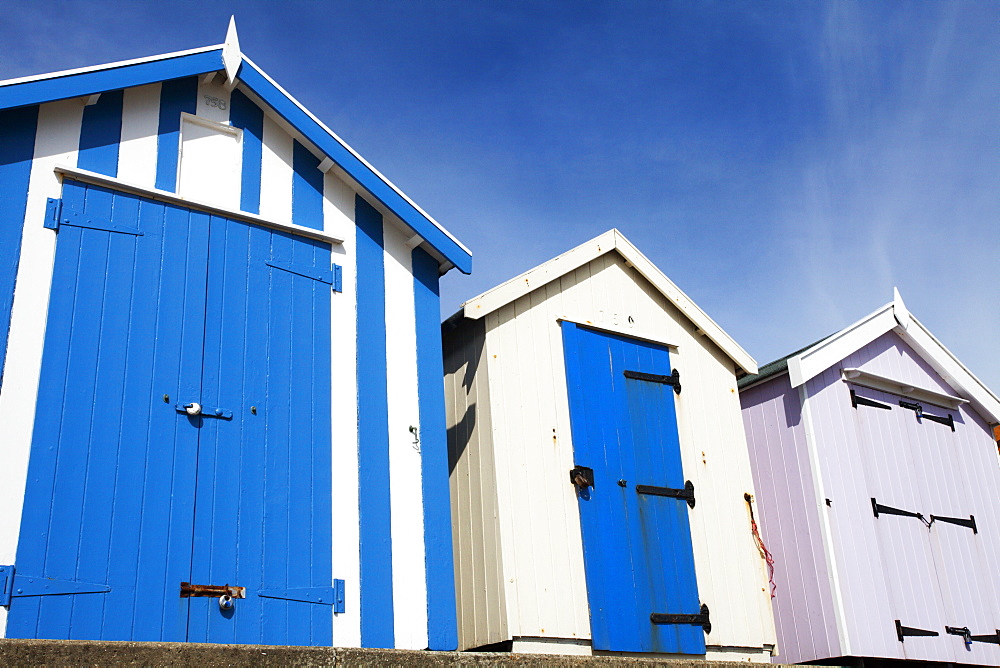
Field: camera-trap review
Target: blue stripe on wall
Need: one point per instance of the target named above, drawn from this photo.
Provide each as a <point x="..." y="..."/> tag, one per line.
<point x="246" y="115"/>
<point x="307" y="189"/>
<point x="101" y="134"/>
<point x="373" y="433"/>
<point x="176" y="96"/>
<point x="17" y="146"/>
<point x="442" y="624"/>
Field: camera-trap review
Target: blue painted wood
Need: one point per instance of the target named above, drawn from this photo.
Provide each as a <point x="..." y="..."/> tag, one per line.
<point x="87" y="492"/>
<point x="307" y="188"/>
<point x="17" y="145"/>
<point x="125" y="490"/>
<point x="442" y="623"/>
<point x="98" y="81"/>
<point x="101" y="134"/>
<point x="373" y="432"/>
<point x="637" y="548"/>
<point x="176" y="96"/>
<point x="366" y="177"/>
<point x="243" y="113"/>
<point x="35" y="92"/>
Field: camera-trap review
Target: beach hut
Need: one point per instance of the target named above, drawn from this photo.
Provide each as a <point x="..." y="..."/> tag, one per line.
<point x="600" y="477"/>
<point x="879" y="490"/>
<point x="221" y="402"/>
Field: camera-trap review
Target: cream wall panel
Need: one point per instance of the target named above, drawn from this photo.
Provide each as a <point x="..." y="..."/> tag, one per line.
<point x="140" y="128"/>
<point x="56" y="143"/>
<point x="478" y="558"/>
<point x="409" y="581"/>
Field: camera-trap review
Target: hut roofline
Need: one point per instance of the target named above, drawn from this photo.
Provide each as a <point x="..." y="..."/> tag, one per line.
<point x="610" y="241"/>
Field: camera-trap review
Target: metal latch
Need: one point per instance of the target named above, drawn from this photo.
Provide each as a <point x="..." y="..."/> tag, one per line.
<point x="193" y="409"/>
<point x="582" y="477"/>
<point x="701" y="619"/>
<point x="189" y="590"/>
<point x="969" y="638"/>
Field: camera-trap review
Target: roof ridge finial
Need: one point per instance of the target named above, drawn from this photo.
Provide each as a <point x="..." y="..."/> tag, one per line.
<point x="232" y="57"/>
<point x="899" y="309"/>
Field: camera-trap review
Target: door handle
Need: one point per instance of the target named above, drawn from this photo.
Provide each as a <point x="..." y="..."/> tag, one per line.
<point x="197" y="409"/>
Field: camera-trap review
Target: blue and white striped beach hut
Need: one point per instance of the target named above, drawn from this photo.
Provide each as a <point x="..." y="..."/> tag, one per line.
<point x="220" y="339"/>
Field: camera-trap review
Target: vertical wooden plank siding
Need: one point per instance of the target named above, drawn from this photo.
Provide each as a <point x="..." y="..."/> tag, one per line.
<point x="406" y="510"/>
<point x="307" y="188"/>
<point x="17" y="144"/>
<point x="249" y="117"/>
<point x="176" y="96"/>
<point x="787" y="513"/>
<point x="478" y="559"/>
<point x="441" y="616"/>
<point x="140" y="125"/>
<point x="373" y="432"/>
<point x="101" y="134"/>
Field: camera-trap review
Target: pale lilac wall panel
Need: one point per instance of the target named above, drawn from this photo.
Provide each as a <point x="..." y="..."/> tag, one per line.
<point x="869" y="624"/>
<point x="789" y="521"/>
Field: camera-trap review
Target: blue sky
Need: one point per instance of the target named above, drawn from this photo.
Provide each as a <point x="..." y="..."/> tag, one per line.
<point x="785" y="163"/>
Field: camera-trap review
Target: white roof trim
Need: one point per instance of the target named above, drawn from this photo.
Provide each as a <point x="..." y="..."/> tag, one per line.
<point x="507" y="292"/>
<point x="894" y="316"/>
<point x="355" y="153"/>
<point x="110" y="66"/>
<point x="885" y="384"/>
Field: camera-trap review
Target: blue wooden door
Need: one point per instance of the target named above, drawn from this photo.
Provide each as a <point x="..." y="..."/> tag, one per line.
<point x="154" y="307"/>
<point x="634" y="505"/>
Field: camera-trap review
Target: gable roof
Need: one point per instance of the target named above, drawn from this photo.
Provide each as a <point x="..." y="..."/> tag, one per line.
<point x="612" y="240"/>
<point x="242" y="71"/>
<point x="895" y="317"/>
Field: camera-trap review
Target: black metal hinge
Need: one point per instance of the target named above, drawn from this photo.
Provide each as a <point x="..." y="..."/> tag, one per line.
<point x="902" y="631"/>
<point x="879" y="509"/>
<point x="919" y="410"/>
<point x="862" y="401"/>
<point x="702" y="619"/>
<point x="970" y="523"/>
<point x="674" y="379"/>
<point x="687" y="493"/>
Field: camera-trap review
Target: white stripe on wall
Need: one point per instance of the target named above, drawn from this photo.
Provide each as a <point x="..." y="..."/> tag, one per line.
<point x="57" y="140"/>
<point x="213" y="100"/>
<point x="140" y="126"/>
<point x="409" y="589"/>
<point x="276" y="173"/>
<point x="338" y="218"/>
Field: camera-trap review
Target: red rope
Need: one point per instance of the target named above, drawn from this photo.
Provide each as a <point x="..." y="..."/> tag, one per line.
<point x="764" y="552"/>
